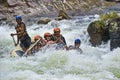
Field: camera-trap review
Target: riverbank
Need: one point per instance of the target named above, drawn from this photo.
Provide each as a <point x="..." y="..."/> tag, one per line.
<point x="30" y="9"/>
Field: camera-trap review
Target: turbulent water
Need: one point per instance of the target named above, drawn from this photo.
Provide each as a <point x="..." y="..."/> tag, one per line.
<point x="96" y="63"/>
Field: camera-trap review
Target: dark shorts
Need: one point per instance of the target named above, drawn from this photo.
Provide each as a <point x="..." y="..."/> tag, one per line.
<point x="25" y="42"/>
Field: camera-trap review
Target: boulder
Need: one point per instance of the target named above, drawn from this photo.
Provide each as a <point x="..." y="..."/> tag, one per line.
<point x="14" y="3"/>
<point x="44" y="20"/>
<point x="114" y="29"/>
<point x="62" y="15"/>
<point x="114" y="33"/>
<point x="95" y="32"/>
<point x="31" y="3"/>
<point x="114" y="43"/>
<point x="3" y="18"/>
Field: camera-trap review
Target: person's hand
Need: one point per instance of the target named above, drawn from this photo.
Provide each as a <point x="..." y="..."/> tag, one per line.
<point x="12" y="34"/>
<point x="16" y="44"/>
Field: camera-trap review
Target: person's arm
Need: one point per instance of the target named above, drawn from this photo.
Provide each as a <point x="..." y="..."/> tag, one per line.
<point x="80" y="50"/>
<point x="23" y="29"/>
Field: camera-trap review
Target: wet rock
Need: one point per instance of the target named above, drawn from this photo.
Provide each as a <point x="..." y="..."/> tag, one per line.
<point x="114" y="33"/>
<point x="44" y="20"/>
<point x="95" y="32"/>
<point x="114" y="43"/>
<point x="114" y="29"/>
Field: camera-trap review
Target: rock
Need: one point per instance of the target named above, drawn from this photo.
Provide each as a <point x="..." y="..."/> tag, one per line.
<point x="106" y="36"/>
<point x="14" y="3"/>
<point x="3" y="18"/>
<point x="31" y="3"/>
<point x="95" y="32"/>
<point x="44" y="21"/>
<point x="114" y="43"/>
<point x="114" y="29"/>
<point x="62" y="15"/>
<point x="113" y="0"/>
<point x="114" y="33"/>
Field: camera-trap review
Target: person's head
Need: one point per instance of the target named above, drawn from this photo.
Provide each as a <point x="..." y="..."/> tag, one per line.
<point x="18" y="19"/>
<point x="37" y="37"/>
<point x="77" y="43"/>
<point x="57" y="32"/>
<point x="47" y="36"/>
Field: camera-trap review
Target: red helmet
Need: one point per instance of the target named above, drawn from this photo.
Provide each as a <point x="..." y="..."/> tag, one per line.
<point x="56" y="29"/>
<point x="37" y="37"/>
<point x="47" y="34"/>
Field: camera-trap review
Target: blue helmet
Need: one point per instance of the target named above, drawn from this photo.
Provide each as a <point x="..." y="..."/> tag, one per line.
<point x="77" y="41"/>
<point x="18" y="17"/>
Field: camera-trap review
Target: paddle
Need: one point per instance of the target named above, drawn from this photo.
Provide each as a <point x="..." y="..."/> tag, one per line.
<point x="25" y="54"/>
<point x="14" y="41"/>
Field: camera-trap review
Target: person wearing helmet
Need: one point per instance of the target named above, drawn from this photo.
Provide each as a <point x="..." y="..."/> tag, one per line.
<point x="47" y="36"/>
<point x="39" y="44"/>
<point x="76" y="46"/>
<point x="22" y="35"/>
<point x="58" y="38"/>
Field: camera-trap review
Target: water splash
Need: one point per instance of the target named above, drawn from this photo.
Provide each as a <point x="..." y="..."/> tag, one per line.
<point x="96" y="63"/>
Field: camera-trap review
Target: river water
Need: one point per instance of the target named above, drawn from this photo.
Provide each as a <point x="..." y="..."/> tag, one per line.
<point x="96" y="63"/>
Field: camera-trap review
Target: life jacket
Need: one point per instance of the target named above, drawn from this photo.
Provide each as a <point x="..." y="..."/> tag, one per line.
<point x="62" y="39"/>
<point x="60" y="46"/>
<point x="18" y="29"/>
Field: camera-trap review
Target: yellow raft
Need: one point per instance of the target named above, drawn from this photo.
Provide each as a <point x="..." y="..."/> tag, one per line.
<point x="18" y="52"/>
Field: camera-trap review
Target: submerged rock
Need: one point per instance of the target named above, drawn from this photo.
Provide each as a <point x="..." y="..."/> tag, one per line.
<point x="44" y="20"/>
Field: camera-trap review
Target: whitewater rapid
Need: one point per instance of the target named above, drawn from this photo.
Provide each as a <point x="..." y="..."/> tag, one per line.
<point x="96" y="63"/>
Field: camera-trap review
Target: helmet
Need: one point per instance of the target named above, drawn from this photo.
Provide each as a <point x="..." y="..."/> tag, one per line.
<point x="47" y="34"/>
<point x="77" y="41"/>
<point x="37" y="37"/>
<point x="56" y="29"/>
<point x="18" y="17"/>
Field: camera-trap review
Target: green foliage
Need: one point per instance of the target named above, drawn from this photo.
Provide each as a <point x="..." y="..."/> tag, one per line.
<point x="105" y="18"/>
<point x="100" y="23"/>
<point x="109" y="16"/>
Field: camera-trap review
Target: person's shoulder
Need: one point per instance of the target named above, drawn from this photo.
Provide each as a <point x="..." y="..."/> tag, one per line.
<point x="62" y="36"/>
<point x="71" y="47"/>
<point x="22" y="23"/>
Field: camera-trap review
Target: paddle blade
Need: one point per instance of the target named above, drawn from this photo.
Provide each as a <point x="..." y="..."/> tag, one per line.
<point x="20" y="53"/>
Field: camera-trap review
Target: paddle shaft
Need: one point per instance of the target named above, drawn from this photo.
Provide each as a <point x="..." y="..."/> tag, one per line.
<point x="31" y="47"/>
<point x="14" y="40"/>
